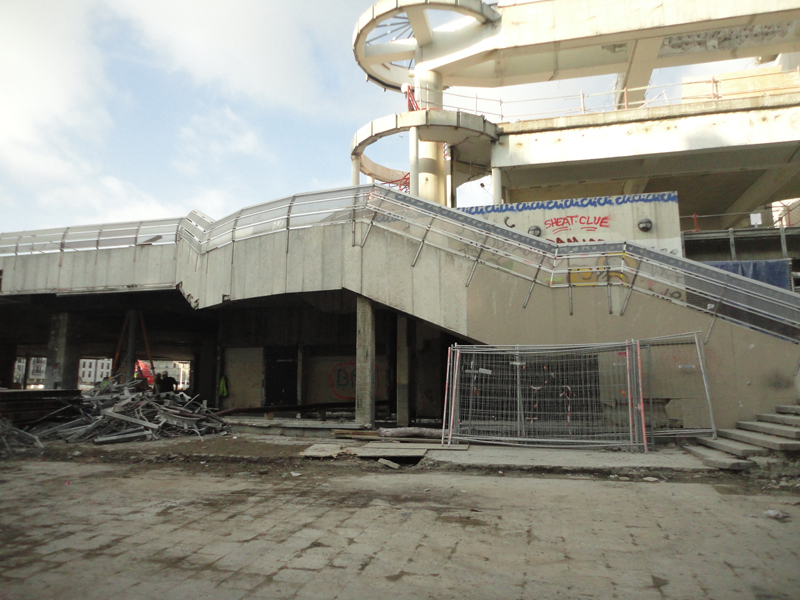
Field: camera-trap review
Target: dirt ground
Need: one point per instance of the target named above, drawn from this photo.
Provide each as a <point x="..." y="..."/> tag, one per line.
<point x="244" y="518"/>
<point x="275" y="456"/>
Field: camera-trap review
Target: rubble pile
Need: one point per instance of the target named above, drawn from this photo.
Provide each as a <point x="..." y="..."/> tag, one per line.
<point x="116" y="413"/>
<point x="14" y="437"/>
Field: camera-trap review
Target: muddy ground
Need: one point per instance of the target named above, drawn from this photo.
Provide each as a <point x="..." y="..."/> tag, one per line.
<point x="268" y="457"/>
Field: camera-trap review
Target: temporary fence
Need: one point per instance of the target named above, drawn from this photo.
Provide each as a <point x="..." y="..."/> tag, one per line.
<point x="593" y="395"/>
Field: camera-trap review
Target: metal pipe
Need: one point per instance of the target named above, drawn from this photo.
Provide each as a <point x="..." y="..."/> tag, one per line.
<point x="701" y="356"/>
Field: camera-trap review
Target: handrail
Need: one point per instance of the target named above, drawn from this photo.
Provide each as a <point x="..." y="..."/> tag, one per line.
<point x="621" y="264"/>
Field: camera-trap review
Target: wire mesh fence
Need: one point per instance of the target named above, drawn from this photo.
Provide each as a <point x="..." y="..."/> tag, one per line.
<point x="594" y="395"/>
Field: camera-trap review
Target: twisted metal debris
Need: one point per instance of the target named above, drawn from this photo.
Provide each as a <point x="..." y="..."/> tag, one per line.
<point x="115" y="413"/>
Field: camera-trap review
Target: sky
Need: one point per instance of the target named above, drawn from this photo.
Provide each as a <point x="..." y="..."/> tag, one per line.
<point x="116" y="110"/>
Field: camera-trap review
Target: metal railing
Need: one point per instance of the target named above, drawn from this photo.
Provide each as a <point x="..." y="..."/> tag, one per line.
<point x="538" y="262"/>
<point x="705" y="91"/>
<point x="90" y="237"/>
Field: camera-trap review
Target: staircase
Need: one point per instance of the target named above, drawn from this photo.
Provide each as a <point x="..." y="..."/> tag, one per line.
<point x="778" y="432"/>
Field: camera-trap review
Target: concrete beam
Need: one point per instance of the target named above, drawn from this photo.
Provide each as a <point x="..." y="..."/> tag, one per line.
<point x="420" y="24"/>
<point x="63" y="354"/>
<point x="365" y="362"/>
<point x="640" y="69"/>
<point x="762" y="191"/>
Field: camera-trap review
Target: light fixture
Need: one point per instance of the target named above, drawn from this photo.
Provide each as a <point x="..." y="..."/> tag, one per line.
<point x="534" y="230"/>
<point x="645" y="225"/>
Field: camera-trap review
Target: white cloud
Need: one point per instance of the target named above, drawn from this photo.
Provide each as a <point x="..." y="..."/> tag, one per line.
<point x="52" y="85"/>
<point x="279" y="54"/>
<point x="218" y="135"/>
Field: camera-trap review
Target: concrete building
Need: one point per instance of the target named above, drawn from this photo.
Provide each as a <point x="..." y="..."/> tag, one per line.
<point x="354" y="295"/>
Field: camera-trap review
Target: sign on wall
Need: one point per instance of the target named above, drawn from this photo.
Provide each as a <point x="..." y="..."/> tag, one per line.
<point x="599" y="219"/>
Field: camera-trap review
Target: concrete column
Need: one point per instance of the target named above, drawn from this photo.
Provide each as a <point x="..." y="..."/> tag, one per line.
<point x="8" y="360"/>
<point x="432" y="172"/>
<point x="27" y="375"/>
<point x="365" y="362"/>
<point x="403" y="406"/>
<point x="413" y="161"/>
<point x="497" y="186"/>
<point x="300" y="374"/>
<point x="204" y="371"/>
<point x="63" y="354"/>
<point x="355" y="170"/>
<point x="130" y="353"/>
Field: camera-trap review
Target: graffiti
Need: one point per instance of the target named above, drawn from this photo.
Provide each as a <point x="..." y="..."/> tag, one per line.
<point x="574" y="240"/>
<point x="598" y="202"/>
<point x="342" y="380"/>
<point x="585" y="222"/>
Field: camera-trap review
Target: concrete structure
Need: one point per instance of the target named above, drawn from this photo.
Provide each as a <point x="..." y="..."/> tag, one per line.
<point x="354" y="295"/>
<point x="295" y="293"/>
<point x="728" y="148"/>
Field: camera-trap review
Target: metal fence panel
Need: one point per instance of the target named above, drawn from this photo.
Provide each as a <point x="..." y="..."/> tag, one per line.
<point x="594" y="395"/>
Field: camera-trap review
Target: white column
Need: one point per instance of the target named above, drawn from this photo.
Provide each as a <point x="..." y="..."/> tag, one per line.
<point x="497" y="186"/>
<point x="432" y="175"/>
<point x="355" y="172"/>
<point x="413" y="160"/>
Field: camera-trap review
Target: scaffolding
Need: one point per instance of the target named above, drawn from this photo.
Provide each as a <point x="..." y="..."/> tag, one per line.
<point x="595" y="395"/>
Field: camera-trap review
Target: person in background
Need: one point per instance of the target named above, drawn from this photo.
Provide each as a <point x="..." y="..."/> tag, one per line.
<point x="168" y="384"/>
<point x="157" y="383"/>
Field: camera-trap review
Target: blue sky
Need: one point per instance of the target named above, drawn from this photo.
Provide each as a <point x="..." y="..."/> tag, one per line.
<point x="116" y="110"/>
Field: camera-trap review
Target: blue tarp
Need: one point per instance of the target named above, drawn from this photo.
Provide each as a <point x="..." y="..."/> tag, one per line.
<point x="773" y="272"/>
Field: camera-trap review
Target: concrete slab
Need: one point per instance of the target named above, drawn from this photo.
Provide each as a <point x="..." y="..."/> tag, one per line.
<point x="739" y="449"/>
<point x="322" y="451"/>
<point x="501" y="456"/>
<point x="461" y="447"/>
<point x="720" y="460"/>
<point x="785" y="431"/>
<point x="365" y="452"/>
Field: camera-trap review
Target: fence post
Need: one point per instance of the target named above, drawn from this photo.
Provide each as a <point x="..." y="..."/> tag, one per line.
<point x="454" y="395"/>
<point x="641" y="394"/>
<point x="702" y="358"/>
<point x="446" y="389"/>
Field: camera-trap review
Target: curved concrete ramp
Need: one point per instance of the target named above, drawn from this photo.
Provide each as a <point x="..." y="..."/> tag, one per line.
<point x="469" y="134"/>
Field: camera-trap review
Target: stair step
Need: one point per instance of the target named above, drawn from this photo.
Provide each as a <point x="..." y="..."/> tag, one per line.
<point x="793" y="433"/>
<point x="788" y="409"/>
<point x="791" y="420"/>
<point x="739" y="449"/>
<point x="719" y="460"/>
<point x="759" y="439"/>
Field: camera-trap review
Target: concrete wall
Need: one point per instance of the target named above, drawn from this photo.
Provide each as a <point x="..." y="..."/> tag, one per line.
<point x="94" y="270"/>
<point x="244" y="369"/>
<point x="333" y="379"/>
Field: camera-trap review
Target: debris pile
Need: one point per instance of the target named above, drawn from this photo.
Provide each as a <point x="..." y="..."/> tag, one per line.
<point x="14" y="437"/>
<point x="115" y="413"/>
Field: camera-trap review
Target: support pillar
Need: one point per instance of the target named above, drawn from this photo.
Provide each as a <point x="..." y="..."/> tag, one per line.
<point x="130" y="352"/>
<point x="432" y="173"/>
<point x="413" y="162"/>
<point x="63" y="354"/>
<point x="8" y="361"/>
<point x="365" y="362"/>
<point x="497" y="186"/>
<point x="355" y="173"/>
<point x="204" y="371"/>
<point x="403" y="405"/>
